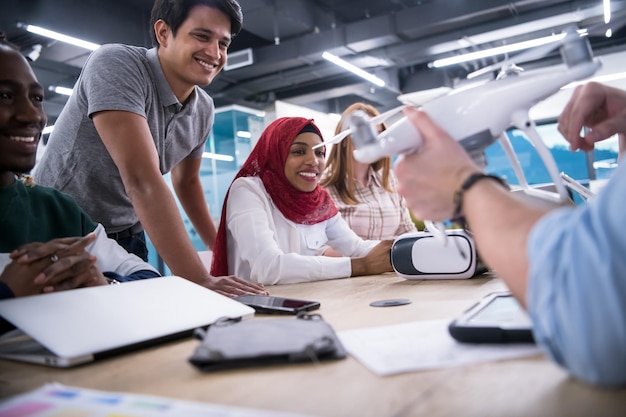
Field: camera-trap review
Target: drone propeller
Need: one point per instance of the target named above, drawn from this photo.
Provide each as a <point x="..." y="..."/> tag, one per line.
<point x="532" y="54"/>
<point x="341" y="136"/>
<point x="374" y="120"/>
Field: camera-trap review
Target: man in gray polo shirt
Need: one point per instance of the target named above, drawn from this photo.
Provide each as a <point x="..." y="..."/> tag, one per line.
<point x="136" y="114"/>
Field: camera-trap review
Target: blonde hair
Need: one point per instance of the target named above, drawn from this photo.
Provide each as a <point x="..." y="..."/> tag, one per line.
<point x="339" y="171"/>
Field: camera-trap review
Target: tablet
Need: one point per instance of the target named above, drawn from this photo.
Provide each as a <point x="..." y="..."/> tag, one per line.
<point x="497" y="318"/>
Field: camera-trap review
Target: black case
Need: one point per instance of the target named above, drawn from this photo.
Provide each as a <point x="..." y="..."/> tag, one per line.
<point x="235" y="344"/>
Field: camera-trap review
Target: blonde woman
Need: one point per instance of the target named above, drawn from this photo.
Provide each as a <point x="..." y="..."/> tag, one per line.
<point x="365" y="194"/>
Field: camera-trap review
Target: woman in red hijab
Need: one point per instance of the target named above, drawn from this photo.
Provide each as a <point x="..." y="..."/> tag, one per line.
<point x="277" y="221"/>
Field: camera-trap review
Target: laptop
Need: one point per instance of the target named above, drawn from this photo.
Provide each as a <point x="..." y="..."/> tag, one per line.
<point x="74" y="327"/>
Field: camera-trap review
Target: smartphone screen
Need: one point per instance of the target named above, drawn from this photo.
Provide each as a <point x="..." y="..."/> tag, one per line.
<point x="503" y="311"/>
<point x="270" y="304"/>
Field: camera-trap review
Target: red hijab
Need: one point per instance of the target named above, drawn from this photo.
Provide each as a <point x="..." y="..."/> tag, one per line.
<point x="267" y="161"/>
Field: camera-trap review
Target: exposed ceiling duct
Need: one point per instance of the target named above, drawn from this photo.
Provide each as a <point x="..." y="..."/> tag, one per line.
<point x="278" y="55"/>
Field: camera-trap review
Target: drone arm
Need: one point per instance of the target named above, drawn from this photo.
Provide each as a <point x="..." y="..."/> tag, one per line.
<point x="386" y="115"/>
<point x="341" y="136"/>
<point x="524" y="123"/>
<point x="510" y="153"/>
<point x="374" y="120"/>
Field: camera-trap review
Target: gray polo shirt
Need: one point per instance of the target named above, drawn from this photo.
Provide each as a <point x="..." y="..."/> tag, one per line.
<point x="126" y="78"/>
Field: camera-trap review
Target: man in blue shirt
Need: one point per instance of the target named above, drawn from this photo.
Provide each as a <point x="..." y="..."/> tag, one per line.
<point x="565" y="265"/>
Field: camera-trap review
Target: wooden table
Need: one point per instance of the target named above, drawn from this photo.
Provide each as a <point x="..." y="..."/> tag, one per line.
<point x="522" y="387"/>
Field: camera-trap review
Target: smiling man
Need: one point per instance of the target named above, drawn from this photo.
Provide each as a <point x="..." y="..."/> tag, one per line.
<point x="136" y="114"/>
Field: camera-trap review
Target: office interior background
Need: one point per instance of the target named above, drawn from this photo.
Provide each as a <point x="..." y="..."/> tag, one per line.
<point x="276" y="65"/>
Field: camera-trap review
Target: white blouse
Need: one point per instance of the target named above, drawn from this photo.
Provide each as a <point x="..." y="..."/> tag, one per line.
<point x="264" y="247"/>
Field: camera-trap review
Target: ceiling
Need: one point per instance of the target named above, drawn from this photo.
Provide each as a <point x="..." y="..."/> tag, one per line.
<point x="392" y="39"/>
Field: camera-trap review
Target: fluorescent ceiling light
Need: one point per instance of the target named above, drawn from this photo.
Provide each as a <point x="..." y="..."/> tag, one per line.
<point x="500" y="50"/>
<point x="59" y="37"/>
<point x="217" y="156"/>
<point x="353" y="69"/>
<point x="244" y="134"/>
<point x="61" y="90"/>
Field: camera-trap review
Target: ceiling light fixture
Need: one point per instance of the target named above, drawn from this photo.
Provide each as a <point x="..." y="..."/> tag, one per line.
<point x="607" y="11"/>
<point x="59" y="36"/>
<point x="353" y="69"/>
<point x="500" y="50"/>
<point x="218" y="157"/>
<point x="61" y="90"/>
<point x="607" y="17"/>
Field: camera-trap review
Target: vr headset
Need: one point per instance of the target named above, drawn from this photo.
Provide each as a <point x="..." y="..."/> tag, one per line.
<point x="421" y="255"/>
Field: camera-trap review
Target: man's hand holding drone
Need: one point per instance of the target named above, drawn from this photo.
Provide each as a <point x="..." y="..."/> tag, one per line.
<point x="437" y="170"/>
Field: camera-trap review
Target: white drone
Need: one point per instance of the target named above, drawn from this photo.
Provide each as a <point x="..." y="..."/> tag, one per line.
<point x="478" y="115"/>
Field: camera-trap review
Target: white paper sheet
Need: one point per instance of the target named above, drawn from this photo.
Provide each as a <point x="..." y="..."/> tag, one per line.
<point x="421" y="345"/>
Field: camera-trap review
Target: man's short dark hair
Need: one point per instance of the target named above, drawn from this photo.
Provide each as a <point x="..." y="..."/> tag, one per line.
<point x="175" y="12"/>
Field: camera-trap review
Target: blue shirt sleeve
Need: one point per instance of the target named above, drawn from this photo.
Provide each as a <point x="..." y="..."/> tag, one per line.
<point x="577" y="285"/>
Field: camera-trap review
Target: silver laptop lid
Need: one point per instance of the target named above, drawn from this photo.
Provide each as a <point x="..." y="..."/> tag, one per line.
<point x="87" y="321"/>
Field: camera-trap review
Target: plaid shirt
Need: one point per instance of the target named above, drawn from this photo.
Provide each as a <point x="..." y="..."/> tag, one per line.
<point x="380" y="215"/>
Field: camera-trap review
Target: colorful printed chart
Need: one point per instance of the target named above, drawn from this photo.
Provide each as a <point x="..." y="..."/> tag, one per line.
<point x="55" y="400"/>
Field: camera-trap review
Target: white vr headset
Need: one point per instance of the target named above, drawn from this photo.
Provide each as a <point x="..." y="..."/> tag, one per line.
<point x="421" y="255"/>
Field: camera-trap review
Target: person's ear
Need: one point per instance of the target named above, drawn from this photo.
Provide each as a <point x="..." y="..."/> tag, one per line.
<point x="161" y="30"/>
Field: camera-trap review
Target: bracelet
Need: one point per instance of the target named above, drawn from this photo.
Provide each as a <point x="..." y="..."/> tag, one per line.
<point x="458" y="216"/>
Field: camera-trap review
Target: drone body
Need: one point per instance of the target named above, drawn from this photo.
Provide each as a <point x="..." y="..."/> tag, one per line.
<point x="475" y="116"/>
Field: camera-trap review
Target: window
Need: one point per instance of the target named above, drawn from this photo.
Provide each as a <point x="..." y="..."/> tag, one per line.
<point x="234" y="133"/>
<point x="579" y="165"/>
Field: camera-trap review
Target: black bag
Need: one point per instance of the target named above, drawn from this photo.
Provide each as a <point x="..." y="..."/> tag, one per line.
<point x="234" y="343"/>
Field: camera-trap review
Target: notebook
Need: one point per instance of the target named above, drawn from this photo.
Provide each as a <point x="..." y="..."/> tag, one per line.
<point x="75" y="327"/>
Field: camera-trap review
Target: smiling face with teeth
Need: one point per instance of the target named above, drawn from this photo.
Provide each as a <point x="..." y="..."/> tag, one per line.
<point x="22" y="117"/>
<point x="197" y="52"/>
<point x="304" y="165"/>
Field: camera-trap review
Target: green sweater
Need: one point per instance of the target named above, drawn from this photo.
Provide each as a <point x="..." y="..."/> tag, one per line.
<point x="38" y="214"/>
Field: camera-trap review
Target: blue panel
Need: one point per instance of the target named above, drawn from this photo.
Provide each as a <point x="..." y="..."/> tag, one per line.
<point x="216" y="175"/>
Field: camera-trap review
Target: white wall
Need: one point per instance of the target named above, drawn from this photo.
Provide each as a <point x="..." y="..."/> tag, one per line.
<point x="324" y="122"/>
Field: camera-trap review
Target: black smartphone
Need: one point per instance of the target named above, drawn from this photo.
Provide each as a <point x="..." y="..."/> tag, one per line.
<point x="497" y="318"/>
<point x="277" y="305"/>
